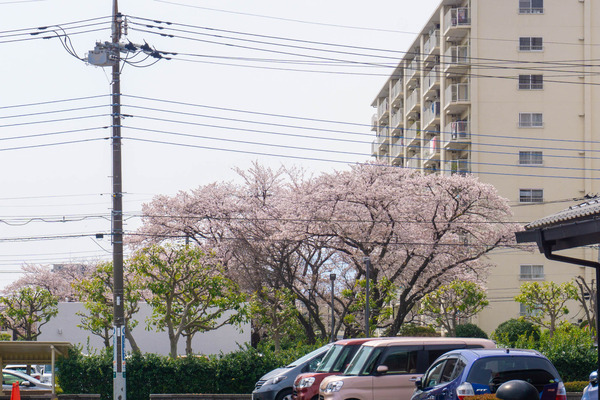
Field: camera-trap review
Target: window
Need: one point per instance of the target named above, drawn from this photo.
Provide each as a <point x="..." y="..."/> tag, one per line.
<point x="531" y="6"/>
<point x="531" y="44"/>
<point x="530" y="158"/>
<point x="531" y="195"/>
<point x="531" y="82"/>
<point x="532" y="272"/>
<point x="530" y="120"/>
<point x="401" y="361"/>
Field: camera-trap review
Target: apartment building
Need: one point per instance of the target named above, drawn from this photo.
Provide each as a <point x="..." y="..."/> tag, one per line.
<point x="505" y="90"/>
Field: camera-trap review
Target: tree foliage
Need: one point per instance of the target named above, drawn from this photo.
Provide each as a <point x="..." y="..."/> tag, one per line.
<point x="451" y="304"/>
<point x="27" y="310"/>
<point x="96" y="292"/>
<point x="545" y="302"/>
<point x="284" y="229"/>
<point x="187" y="290"/>
<point x="509" y="332"/>
<point x="470" y="330"/>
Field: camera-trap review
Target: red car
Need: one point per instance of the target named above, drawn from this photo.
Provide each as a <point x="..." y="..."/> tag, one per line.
<point x="306" y="385"/>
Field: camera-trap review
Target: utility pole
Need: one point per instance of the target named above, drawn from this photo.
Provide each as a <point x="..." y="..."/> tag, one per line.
<point x="119" y="387"/>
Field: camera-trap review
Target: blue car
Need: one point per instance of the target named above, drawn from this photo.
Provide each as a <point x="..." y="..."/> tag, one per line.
<point x="591" y="390"/>
<point x="469" y="372"/>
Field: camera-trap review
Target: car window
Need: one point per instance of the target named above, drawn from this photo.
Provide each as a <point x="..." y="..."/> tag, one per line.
<point x="330" y="357"/>
<point x="308" y="356"/>
<point x="314" y="363"/>
<point x="401" y="361"/>
<point x="364" y="360"/>
<point x="434" y="374"/>
<point x="344" y="359"/>
<point x="9" y="379"/>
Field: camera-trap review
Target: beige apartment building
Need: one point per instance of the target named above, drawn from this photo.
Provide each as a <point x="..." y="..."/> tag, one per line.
<point x="506" y="90"/>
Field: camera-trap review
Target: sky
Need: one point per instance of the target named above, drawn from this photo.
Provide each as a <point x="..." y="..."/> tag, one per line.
<point x="276" y="82"/>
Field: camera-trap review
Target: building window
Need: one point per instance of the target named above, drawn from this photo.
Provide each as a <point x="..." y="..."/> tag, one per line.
<point x="530" y="158"/>
<point x="532" y="272"/>
<point x="529" y="82"/>
<point x="531" y="6"/>
<point x="531" y="44"/>
<point x="531" y="195"/>
<point x="530" y="120"/>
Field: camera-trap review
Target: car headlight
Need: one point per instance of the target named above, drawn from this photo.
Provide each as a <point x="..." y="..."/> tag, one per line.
<point x="334" y="386"/>
<point x="306" y="382"/>
<point x="275" y="380"/>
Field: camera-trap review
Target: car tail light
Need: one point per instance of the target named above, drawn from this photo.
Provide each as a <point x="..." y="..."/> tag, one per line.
<point x="561" y="392"/>
<point x="466" y="389"/>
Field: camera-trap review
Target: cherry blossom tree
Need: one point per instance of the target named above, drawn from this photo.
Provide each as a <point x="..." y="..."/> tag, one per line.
<point x="284" y="229"/>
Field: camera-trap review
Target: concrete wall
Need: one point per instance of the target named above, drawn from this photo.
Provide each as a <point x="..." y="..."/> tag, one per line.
<point x="64" y="328"/>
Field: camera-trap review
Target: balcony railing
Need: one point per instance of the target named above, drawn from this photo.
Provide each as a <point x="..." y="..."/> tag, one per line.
<point x="431" y="112"/>
<point x="431" y="148"/>
<point x="397" y="89"/>
<point x="397" y="118"/>
<point x="382" y="108"/>
<point x="414" y="162"/>
<point x="457" y="93"/>
<point x="459" y="130"/>
<point x="412" y="100"/>
<point x="431" y="79"/>
<point x="431" y="43"/>
<point x="412" y="68"/>
<point x="457" y="55"/>
<point x="396" y="149"/>
<point x="457" y="17"/>
<point x="413" y="132"/>
<point x="461" y="167"/>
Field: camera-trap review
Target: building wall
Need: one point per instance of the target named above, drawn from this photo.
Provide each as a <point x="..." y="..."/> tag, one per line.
<point x="568" y="137"/>
<point x="64" y="328"/>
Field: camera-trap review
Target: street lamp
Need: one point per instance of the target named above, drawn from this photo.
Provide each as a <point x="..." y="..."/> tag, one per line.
<point x="367" y="261"/>
<point x="332" y="278"/>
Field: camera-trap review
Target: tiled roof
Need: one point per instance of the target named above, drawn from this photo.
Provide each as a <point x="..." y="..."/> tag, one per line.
<point x="589" y="209"/>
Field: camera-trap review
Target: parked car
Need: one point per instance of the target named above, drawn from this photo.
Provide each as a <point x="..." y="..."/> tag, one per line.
<point x="277" y="384"/>
<point x="46" y="373"/>
<point x="590" y="392"/>
<point x="462" y="373"/>
<point x="387" y="369"/>
<point x="33" y="370"/>
<point x="26" y="382"/>
<point x="335" y="361"/>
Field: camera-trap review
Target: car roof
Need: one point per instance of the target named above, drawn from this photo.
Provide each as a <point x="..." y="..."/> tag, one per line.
<point x="481" y="353"/>
<point x="411" y="340"/>
<point x="345" y="342"/>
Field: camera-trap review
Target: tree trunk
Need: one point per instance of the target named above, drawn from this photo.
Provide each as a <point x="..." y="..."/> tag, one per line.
<point x="134" y="347"/>
<point x="188" y="345"/>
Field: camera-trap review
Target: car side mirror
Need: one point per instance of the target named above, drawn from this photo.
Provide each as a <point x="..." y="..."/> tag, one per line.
<point x="594" y="378"/>
<point x="419" y="383"/>
<point x="25" y="383"/>
<point x="382" y="369"/>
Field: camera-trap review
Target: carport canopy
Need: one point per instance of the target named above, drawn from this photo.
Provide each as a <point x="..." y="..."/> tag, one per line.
<point x="30" y="353"/>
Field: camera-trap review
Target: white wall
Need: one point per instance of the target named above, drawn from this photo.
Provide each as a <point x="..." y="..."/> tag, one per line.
<point x="63" y="327"/>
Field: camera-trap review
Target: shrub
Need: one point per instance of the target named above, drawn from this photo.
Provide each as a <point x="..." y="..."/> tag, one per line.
<point x="470" y="330"/>
<point x="509" y="332"/>
<point x="576" y="386"/>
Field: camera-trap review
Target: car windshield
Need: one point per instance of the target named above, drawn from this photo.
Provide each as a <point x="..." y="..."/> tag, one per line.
<point x="337" y="358"/>
<point x="307" y="357"/>
<point x="494" y="371"/>
<point x="362" y="363"/>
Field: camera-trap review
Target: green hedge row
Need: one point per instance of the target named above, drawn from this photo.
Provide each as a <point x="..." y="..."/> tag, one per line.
<point x="233" y="373"/>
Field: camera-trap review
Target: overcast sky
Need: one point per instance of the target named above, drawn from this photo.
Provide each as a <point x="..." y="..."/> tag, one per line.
<point x="278" y="82"/>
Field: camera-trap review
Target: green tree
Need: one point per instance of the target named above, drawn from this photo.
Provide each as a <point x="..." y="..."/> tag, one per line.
<point x="188" y="291"/>
<point x="509" y="332"/>
<point x="96" y="292"/>
<point x="545" y="302"/>
<point x="470" y="330"/>
<point x="273" y="310"/>
<point x="450" y="304"/>
<point x="27" y="310"/>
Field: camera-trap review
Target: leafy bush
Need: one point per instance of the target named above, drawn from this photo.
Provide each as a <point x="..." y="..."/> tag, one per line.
<point x="576" y="386"/>
<point x="233" y="373"/>
<point x="509" y="332"/>
<point x="470" y="330"/>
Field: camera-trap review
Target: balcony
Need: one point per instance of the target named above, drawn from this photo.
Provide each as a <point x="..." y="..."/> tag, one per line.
<point x="431" y="116"/>
<point x="414" y="162"/>
<point x="375" y="148"/>
<point x="412" y="135"/>
<point x="374" y="122"/>
<point x="458" y="166"/>
<point x="457" y="23"/>
<point x="458" y="98"/>
<point x="397" y="122"/>
<point x="457" y="135"/>
<point x="383" y="110"/>
<point x="431" y="83"/>
<point x="431" y="152"/>
<point x="397" y="152"/>
<point x="411" y="70"/>
<point x="431" y="48"/>
<point x="457" y="59"/>
<point x="397" y="93"/>
<point x="413" y="104"/>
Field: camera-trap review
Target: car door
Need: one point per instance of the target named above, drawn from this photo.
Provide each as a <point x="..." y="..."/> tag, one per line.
<point x="394" y="382"/>
<point x="439" y="382"/>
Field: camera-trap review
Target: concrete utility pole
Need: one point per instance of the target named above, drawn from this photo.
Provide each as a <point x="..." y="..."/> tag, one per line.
<point x="119" y="382"/>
